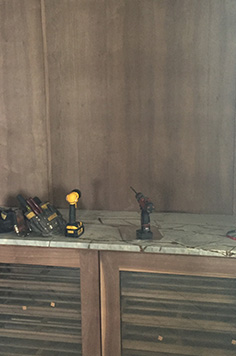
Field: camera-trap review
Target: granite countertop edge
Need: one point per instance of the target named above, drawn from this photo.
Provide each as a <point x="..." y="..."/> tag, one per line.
<point x="186" y="234"/>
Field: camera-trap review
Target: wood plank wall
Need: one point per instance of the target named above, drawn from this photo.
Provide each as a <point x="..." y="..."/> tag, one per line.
<point x="137" y="92"/>
<point x="23" y="143"/>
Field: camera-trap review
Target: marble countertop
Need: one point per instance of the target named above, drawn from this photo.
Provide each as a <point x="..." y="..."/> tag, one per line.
<point x="173" y="233"/>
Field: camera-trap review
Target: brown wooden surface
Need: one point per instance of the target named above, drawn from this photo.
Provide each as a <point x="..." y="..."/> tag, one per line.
<point x="88" y="263"/>
<point x="23" y="139"/>
<point x="40" y="310"/>
<point x="179" y="264"/>
<point x="112" y="263"/>
<point x="64" y="257"/>
<point x="125" y="92"/>
<point x="110" y="306"/>
<point x="90" y="300"/>
<point x="142" y="93"/>
<point x="177" y="314"/>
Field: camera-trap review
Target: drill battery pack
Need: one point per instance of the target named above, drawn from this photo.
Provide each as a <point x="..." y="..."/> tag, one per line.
<point x="74" y="230"/>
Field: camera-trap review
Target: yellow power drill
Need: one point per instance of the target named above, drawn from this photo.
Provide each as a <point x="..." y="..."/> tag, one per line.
<point x="73" y="228"/>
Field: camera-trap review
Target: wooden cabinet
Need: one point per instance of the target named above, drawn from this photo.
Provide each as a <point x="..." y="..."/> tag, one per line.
<point x="163" y="305"/>
<point x="129" y="304"/>
<point x="43" y="305"/>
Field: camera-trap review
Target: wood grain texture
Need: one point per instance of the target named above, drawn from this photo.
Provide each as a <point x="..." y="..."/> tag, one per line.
<point x="64" y="257"/>
<point x="23" y="141"/>
<point x="170" y="314"/>
<point x="90" y="299"/>
<point x="196" y="276"/>
<point x="110" y="305"/>
<point x="142" y="93"/>
<point x="40" y="310"/>
<point x="137" y="92"/>
<point x="89" y="291"/>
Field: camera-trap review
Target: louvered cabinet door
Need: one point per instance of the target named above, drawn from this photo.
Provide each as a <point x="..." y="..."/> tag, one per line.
<point x="166" y="305"/>
<point x="49" y="302"/>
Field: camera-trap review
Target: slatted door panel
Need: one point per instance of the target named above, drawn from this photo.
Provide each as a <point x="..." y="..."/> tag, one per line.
<point x="40" y="311"/>
<point x="177" y="315"/>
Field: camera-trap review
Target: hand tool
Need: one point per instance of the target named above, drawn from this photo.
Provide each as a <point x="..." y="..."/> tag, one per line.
<point x="53" y="215"/>
<point x="37" y="222"/>
<point x="34" y="206"/>
<point x="21" y="227"/>
<point x="43" y="218"/>
<point x="73" y="228"/>
<point x="146" y="207"/>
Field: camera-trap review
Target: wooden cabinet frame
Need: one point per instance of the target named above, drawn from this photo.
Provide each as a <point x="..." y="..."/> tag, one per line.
<point x="88" y="262"/>
<point x="100" y="283"/>
<point x="112" y="263"/>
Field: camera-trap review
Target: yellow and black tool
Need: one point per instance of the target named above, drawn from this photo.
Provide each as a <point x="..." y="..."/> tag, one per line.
<point x="73" y="228"/>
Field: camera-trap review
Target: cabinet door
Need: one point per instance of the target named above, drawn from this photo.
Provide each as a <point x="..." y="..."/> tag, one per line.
<point x="49" y="302"/>
<point x="168" y="305"/>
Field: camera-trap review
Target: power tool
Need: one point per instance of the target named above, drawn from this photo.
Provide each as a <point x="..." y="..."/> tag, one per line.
<point x="146" y="207"/>
<point x="73" y="228"/>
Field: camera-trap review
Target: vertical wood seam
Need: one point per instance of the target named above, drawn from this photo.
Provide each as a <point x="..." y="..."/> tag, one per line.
<point x="100" y="299"/>
<point x="234" y="161"/>
<point x="234" y="166"/>
<point x="47" y="111"/>
<point x="102" y="304"/>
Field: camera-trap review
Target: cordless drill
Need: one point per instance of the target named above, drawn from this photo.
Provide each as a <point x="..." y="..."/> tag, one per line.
<point x="73" y="228"/>
<point x="146" y="207"/>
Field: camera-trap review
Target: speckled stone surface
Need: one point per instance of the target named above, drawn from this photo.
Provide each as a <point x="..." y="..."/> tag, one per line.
<point x="173" y="233"/>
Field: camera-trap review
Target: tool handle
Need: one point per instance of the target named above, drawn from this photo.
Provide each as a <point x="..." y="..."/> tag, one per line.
<point x="37" y="200"/>
<point x="32" y="207"/>
<point x="23" y="202"/>
<point x="36" y="206"/>
<point x="72" y="214"/>
<point x="145" y="218"/>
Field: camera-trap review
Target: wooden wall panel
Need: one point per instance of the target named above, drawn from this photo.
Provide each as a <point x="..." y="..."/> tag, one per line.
<point x="77" y="62"/>
<point x="139" y="93"/>
<point x="23" y="141"/>
<point x="142" y="93"/>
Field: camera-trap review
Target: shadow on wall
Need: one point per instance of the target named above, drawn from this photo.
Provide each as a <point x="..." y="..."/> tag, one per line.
<point x="11" y="200"/>
<point x="97" y="203"/>
<point x="166" y="197"/>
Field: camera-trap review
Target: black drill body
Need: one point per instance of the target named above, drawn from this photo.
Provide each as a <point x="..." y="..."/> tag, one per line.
<point x="72" y="215"/>
<point x="73" y="228"/>
<point x="146" y="207"/>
